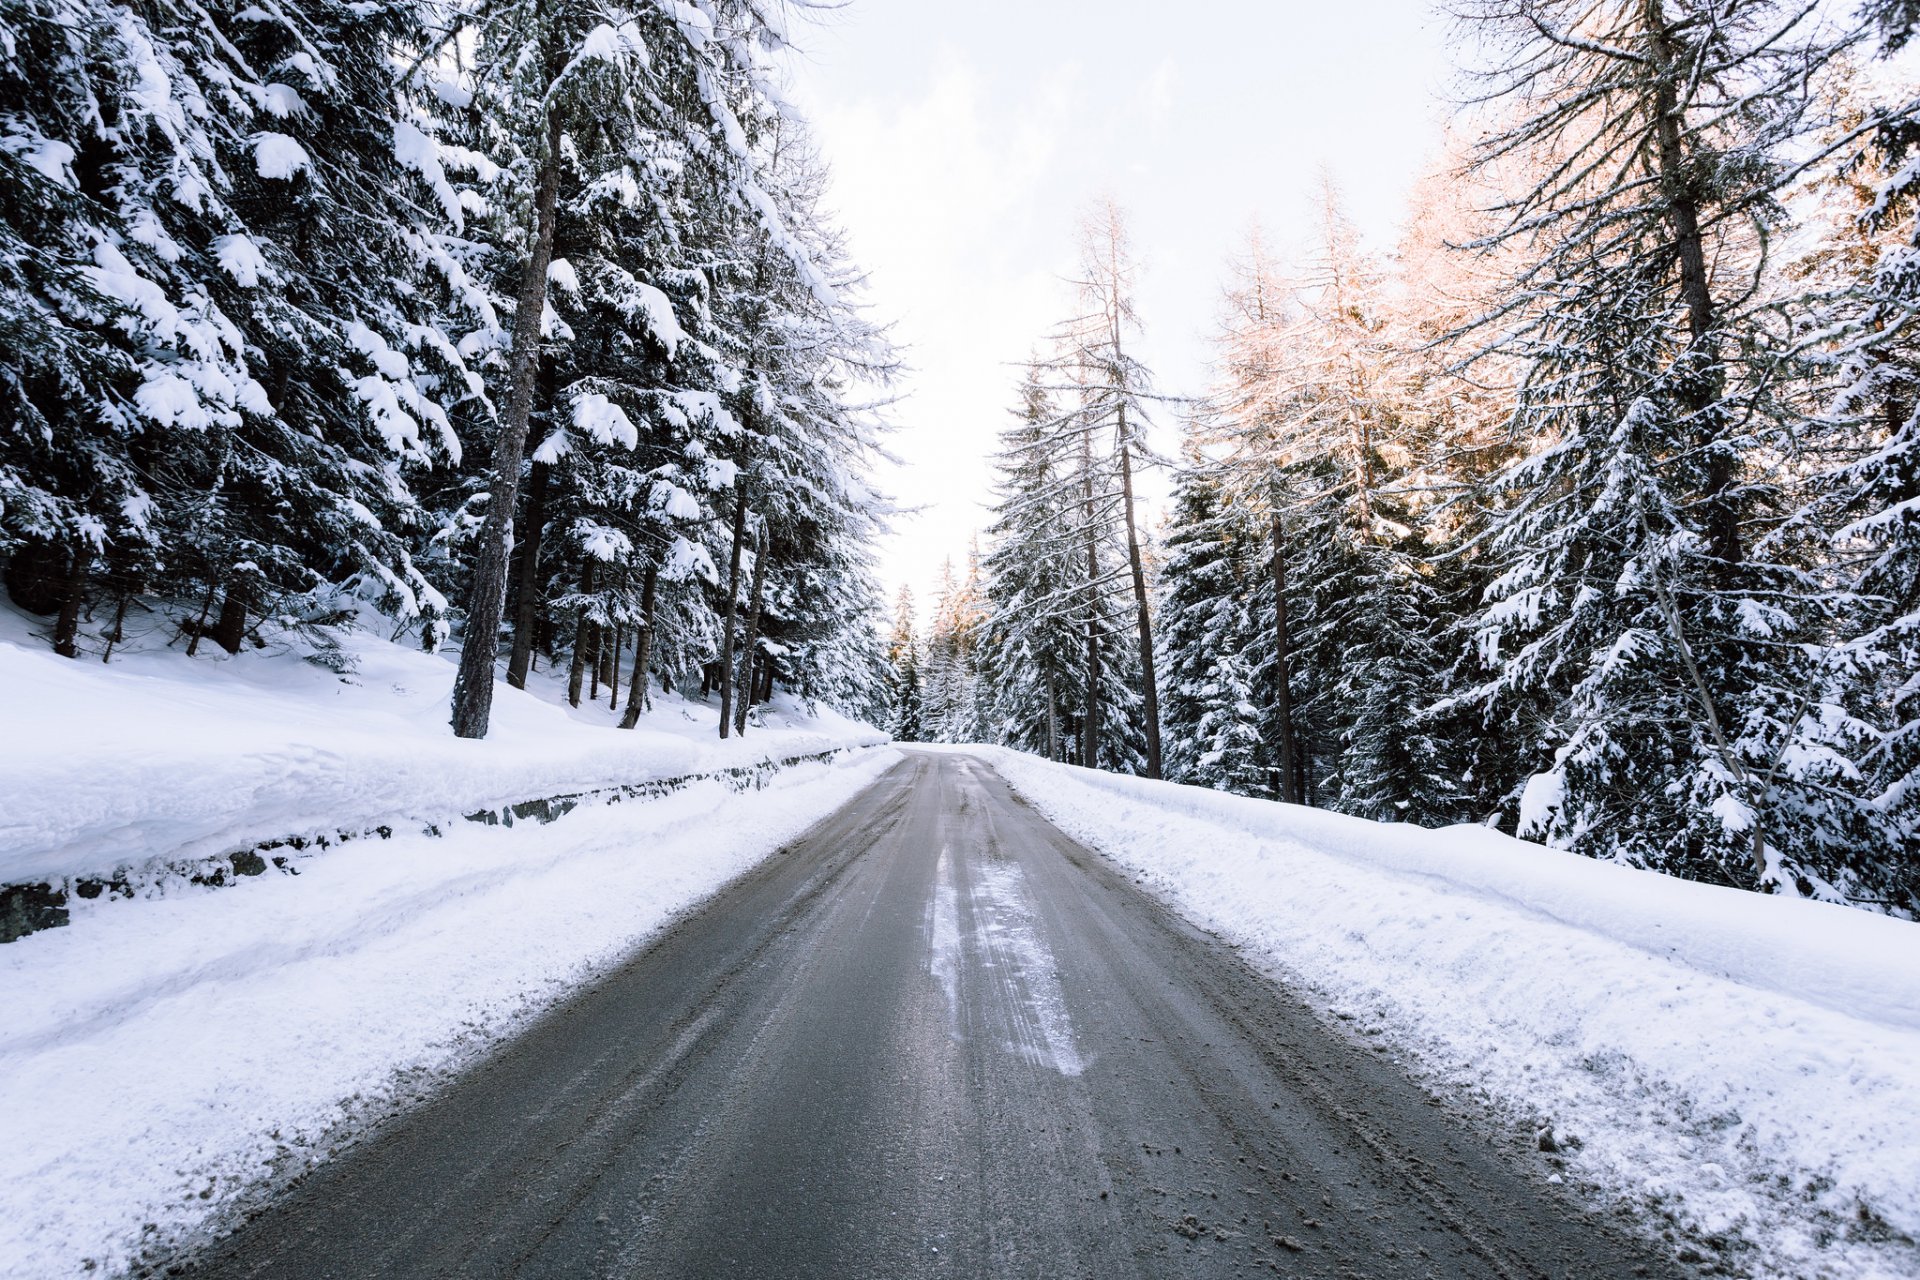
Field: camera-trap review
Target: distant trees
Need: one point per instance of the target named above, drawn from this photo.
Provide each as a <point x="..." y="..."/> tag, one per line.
<point x="530" y="307"/>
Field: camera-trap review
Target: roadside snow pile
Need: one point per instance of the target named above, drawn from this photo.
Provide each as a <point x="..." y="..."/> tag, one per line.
<point x="157" y="758"/>
<point x="163" y="1066"/>
<point x="1747" y="1067"/>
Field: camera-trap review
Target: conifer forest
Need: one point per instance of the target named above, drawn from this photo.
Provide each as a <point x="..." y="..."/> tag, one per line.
<point x="518" y="323"/>
<point x="1590" y="511"/>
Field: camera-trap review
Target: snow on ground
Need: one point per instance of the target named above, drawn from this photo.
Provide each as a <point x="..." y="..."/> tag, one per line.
<point x="157" y="758"/>
<point x="169" y="1059"/>
<point x="1745" y="1068"/>
<point x="166" y="1059"/>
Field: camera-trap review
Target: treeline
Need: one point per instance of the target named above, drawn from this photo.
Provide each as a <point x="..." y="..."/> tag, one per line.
<point x="517" y="322"/>
<point x="1593" y="512"/>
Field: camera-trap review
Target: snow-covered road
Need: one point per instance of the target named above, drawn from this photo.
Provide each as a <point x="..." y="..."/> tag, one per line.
<point x="935" y="1038"/>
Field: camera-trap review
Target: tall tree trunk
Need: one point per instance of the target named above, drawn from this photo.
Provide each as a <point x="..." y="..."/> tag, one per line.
<point x="1149" y="684"/>
<point x="642" y="650"/>
<point x="1090" y="721"/>
<point x="747" y="683"/>
<point x="473" y="686"/>
<point x="66" y="631"/>
<point x="613" y="675"/>
<point x="733" y="608"/>
<point x="1677" y="187"/>
<point x="1053" y="717"/>
<point x="1282" y="666"/>
<point x="527" y="600"/>
<point x="582" y="640"/>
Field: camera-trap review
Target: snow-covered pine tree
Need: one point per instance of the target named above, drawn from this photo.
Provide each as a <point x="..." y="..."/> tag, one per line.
<point x="1862" y="283"/>
<point x="905" y="721"/>
<point x="1058" y="541"/>
<point x="238" y="289"/>
<point x="1032" y="638"/>
<point x="1310" y="407"/>
<point x="560" y="88"/>
<point x="1113" y="393"/>
<point x="1215" y="570"/>
<point x="1691" y="702"/>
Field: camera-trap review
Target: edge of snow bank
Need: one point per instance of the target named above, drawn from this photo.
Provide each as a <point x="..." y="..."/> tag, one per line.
<point x="1838" y="957"/>
<point x="160" y="759"/>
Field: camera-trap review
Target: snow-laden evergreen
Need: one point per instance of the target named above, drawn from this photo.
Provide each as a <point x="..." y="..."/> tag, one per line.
<point x="314" y="304"/>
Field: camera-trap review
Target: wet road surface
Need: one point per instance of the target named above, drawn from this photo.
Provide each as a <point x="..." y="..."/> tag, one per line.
<point x="935" y="1037"/>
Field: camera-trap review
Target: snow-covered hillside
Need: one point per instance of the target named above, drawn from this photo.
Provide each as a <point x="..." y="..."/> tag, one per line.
<point x="158" y="758"/>
<point x="168" y="1057"/>
<point x="1745" y="1066"/>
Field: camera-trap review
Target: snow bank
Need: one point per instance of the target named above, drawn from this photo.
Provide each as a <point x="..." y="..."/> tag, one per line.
<point x="1746" y="1067"/>
<point x="160" y="1067"/>
<point x="157" y="758"/>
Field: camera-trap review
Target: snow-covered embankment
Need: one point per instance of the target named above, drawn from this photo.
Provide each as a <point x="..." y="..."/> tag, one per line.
<point x="1748" y="1067"/>
<point x="166" y="1059"/>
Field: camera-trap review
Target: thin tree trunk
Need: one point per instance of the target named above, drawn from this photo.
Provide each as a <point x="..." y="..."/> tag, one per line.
<point x="230" y="632"/>
<point x="1090" y="722"/>
<point x="473" y="687"/>
<point x="642" y="650"/>
<point x="527" y="574"/>
<point x="596" y="647"/>
<point x="1700" y="391"/>
<point x="613" y="676"/>
<point x="118" y="633"/>
<point x="753" y="630"/>
<point x="66" y="631"/>
<point x="1149" y="684"/>
<point x="1053" y="718"/>
<point x="582" y="634"/>
<point x="200" y="627"/>
<point x="1282" y="666"/>
<point x="733" y="607"/>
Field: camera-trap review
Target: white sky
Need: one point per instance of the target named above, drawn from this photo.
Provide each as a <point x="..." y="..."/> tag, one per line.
<point x="966" y="139"/>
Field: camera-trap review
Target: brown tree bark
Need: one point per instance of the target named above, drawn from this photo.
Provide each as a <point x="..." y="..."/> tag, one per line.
<point x="1149" y="684"/>
<point x="1678" y="189"/>
<point x="733" y="609"/>
<point x="748" y="658"/>
<point x="473" y="686"/>
<point x="642" y="650"/>
<point x="526" y="566"/>
<point x="613" y="672"/>
<point x="582" y="642"/>
<point x="66" y="630"/>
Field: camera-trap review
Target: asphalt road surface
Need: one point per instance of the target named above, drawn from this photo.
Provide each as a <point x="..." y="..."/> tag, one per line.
<point x="935" y="1037"/>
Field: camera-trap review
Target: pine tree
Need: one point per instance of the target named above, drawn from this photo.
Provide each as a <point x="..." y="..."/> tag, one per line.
<point x="906" y="721"/>
<point x="1676" y="651"/>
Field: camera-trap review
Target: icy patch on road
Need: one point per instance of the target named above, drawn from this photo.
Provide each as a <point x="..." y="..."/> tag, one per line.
<point x="1022" y="997"/>
<point x="1041" y="1030"/>
<point x="943" y="937"/>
